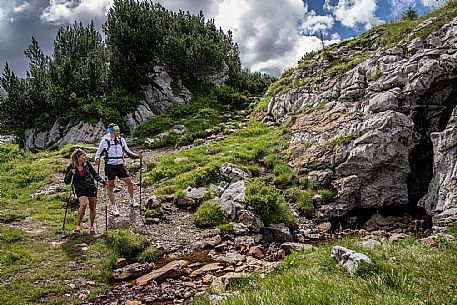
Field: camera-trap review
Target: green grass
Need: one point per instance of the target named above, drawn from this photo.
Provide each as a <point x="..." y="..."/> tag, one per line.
<point x="343" y="67"/>
<point x="267" y="202"/>
<point x="37" y="268"/>
<point x="211" y="214"/>
<point x="35" y="271"/>
<point x="279" y="86"/>
<point x="127" y="244"/>
<point x="402" y="273"/>
<point x="200" y="117"/>
<point x="343" y="140"/>
<point x="245" y="148"/>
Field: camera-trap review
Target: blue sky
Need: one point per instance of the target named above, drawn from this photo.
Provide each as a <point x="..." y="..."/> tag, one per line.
<point x="272" y="35"/>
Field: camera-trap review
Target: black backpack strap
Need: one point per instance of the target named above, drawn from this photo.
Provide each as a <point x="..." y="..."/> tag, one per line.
<point x="105" y="151"/>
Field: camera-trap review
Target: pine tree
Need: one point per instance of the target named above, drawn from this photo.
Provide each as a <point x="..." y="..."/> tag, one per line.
<point x="410" y="14"/>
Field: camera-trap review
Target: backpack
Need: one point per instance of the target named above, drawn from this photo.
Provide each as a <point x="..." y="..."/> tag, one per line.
<point x="108" y="142"/>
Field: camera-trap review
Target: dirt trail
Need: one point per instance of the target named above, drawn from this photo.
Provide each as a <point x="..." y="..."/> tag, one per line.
<point x="176" y="232"/>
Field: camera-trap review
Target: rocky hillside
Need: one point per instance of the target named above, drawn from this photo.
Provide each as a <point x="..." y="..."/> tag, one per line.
<point x="159" y="96"/>
<point x="375" y="117"/>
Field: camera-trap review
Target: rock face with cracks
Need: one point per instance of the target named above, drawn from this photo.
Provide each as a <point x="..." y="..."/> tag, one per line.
<point x="384" y="129"/>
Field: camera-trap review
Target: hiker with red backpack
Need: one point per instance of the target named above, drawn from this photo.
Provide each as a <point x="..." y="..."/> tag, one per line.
<point x="81" y="174"/>
<point x="113" y="146"/>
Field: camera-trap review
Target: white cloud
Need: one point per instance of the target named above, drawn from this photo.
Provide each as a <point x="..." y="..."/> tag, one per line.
<point x="67" y="11"/>
<point x="269" y="35"/>
<point x="434" y="3"/>
<point x="352" y="13"/>
<point x="7" y="11"/>
<point x="22" y="8"/>
<point x="314" y="24"/>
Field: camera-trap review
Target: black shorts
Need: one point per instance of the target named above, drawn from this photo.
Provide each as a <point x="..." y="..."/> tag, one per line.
<point x="111" y="171"/>
<point x="86" y="192"/>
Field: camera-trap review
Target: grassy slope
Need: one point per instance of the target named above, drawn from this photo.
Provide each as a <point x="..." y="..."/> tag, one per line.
<point x="407" y="272"/>
<point x="35" y="268"/>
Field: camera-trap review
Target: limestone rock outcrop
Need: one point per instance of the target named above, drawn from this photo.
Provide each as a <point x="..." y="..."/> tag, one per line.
<point x="381" y="131"/>
<point x="161" y="93"/>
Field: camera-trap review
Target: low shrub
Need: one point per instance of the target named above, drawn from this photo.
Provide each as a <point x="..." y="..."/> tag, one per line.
<point x="211" y="214"/>
<point x="127" y="244"/>
<point x="305" y="202"/>
<point x="226" y="228"/>
<point x="147" y="256"/>
<point x="267" y="202"/>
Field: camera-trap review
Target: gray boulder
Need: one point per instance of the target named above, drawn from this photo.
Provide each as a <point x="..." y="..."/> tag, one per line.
<point x="193" y="197"/>
<point x="232" y="197"/>
<point x="277" y="232"/>
<point x="289" y="246"/>
<point x="233" y="173"/>
<point x="349" y="259"/>
<point x="250" y="220"/>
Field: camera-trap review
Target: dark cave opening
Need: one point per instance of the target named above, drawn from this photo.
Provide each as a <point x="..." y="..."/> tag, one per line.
<point x="430" y="114"/>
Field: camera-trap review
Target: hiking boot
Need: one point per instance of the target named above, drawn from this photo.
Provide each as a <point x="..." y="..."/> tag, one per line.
<point x="114" y="210"/>
<point x="91" y="231"/>
<point x="77" y="231"/>
<point x="133" y="203"/>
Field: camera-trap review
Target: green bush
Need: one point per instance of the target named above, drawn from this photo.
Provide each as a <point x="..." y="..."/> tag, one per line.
<point x="8" y="151"/>
<point x="267" y="202"/>
<point x="326" y="194"/>
<point x="305" y="202"/>
<point x="127" y="244"/>
<point x="147" y="256"/>
<point x="211" y="214"/>
<point x="284" y="176"/>
<point x="226" y="228"/>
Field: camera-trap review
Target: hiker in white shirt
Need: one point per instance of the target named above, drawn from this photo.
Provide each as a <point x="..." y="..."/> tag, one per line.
<point x="114" y="147"/>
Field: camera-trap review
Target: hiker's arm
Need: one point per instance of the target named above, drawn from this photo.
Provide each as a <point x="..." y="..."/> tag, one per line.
<point x="100" y="149"/>
<point x="94" y="173"/>
<point x="69" y="174"/>
<point x="129" y="153"/>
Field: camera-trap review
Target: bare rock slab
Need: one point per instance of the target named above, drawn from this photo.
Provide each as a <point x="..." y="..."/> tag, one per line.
<point x="171" y="270"/>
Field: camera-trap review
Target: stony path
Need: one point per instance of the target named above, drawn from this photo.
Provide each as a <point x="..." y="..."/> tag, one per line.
<point x="176" y="232"/>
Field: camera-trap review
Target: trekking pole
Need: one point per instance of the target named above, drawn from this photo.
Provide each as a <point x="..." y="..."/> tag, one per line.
<point x="106" y="207"/>
<point x="141" y="167"/>
<point x="68" y="203"/>
<point x="143" y="219"/>
<point x="98" y="171"/>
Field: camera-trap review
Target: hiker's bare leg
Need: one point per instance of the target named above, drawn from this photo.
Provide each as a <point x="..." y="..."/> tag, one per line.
<point x="129" y="183"/>
<point x="82" y="209"/>
<point x="111" y="191"/>
<point x="92" y="206"/>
